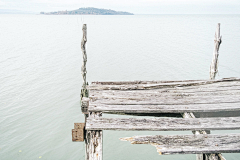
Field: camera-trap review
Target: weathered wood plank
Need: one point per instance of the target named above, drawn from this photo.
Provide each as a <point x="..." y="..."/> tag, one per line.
<point x="168" y="101"/>
<point x="226" y="95"/>
<point x="217" y="114"/>
<point x="94" y="140"/>
<point x="139" y="82"/>
<point x="165" y="108"/>
<point x="157" y="86"/>
<point x="213" y="71"/>
<point x="177" y="115"/>
<point x="207" y="90"/>
<point x="84" y="91"/>
<point x="163" y="124"/>
<point x="153" y="82"/>
<point x="191" y="115"/>
<point x="190" y="144"/>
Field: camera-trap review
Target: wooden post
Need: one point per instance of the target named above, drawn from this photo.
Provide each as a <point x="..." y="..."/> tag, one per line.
<point x="93" y="139"/>
<point x="214" y="64"/>
<point x="84" y="91"/>
<point x="213" y="72"/>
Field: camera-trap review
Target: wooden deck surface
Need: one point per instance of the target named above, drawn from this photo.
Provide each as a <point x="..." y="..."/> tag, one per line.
<point x="165" y="97"/>
<point x="169" y="98"/>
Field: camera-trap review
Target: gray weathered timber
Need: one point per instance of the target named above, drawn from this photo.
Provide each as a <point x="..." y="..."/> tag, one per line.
<point x="213" y="72"/>
<point x="169" y="100"/>
<point x="165" y="108"/>
<point x="138" y="82"/>
<point x="190" y="144"/>
<point x="177" y="115"/>
<point x="207" y="90"/>
<point x="217" y="114"/>
<point x="94" y="140"/>
<point x="200" y="156"/>
<point x="84" y="105"/>
<point x="150" y="82"/>
<point x="84" y="91"/>
<point x="157" y="86"/>
<point x="214" y="64"/>
<point x="163" y="124"/>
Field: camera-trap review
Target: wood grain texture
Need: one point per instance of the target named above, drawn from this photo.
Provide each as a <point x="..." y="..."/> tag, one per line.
<point x="214" y="64"/>
<point x="163" y="124"/>
<point x="177" y="115"/>
<point x="190" y="144"/>
<point x="170" y="100"/>
<point x="94" y="140"/>
<point x="157" y="86"/>
<point x="200" y="156"/>
<point x="165" y="108"/>
<point x="204" y="90"/>
<point x="220" y="96"/>
<point x="139" y="82"/>
<point x="84" y="91"/>
<point x="84" y="105"/>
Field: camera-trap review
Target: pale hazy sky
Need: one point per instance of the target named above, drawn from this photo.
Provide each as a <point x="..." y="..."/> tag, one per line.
<point x="134" y="6"/>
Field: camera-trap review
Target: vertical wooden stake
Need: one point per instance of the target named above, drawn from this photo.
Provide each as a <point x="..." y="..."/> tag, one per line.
<point x="84" y="91"/>
<point x="213" y="72"/>
<point x="214" y="64"/>
<point x="94" y="141"/>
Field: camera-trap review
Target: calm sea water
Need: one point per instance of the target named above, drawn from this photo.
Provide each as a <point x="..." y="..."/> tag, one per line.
<point x="40" y="74"/>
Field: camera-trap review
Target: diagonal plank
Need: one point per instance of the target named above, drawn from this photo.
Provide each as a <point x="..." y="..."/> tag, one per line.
<point x="190" y="144"/>
<point x="163" y="124"/>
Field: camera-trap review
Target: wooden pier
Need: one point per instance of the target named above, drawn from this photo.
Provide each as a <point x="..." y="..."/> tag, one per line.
<point x="195" y="105"/>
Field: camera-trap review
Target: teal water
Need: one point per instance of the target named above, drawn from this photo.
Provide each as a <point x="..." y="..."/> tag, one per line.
<point x="40" y="74"/>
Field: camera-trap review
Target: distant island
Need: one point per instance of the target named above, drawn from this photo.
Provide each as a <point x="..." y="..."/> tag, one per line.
<point x="88" y="11"/>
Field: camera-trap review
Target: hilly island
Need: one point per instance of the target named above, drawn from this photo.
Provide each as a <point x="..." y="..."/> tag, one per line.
<point x="88" y="11"/>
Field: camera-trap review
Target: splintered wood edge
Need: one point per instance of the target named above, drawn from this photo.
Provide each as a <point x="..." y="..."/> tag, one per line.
<point x="164" y="149"/>
<point x="131" y="140"/>
<point x="126" y="139"/>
